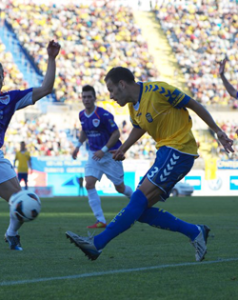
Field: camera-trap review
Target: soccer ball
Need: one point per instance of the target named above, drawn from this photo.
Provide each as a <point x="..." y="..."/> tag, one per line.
<point x="25" y="206"/>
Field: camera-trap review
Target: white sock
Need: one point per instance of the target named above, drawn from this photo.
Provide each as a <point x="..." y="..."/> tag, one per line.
<point x="13" y="227"/>
<point x="95" y="204"/>
<point x="128" y="191"/>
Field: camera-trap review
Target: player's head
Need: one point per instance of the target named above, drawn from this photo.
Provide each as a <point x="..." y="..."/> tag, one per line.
<point x="1" y="76"/>
<point x="118" y="81"/>
<point x="23" y="145"/>
<point x="88" y="96"/>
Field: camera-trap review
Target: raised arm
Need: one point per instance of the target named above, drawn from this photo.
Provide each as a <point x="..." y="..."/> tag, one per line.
<point x="207" y="118"/>
<point x="230" y="89"/>
<point x="134" y="136"/>
<point x="49" y="79"/>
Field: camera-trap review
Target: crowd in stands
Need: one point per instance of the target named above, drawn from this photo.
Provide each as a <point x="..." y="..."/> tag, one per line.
<point x="13" y="77"/>
<point x="202" y="33"/>
<point x="42" y="136"/>
<point x="94" y="38"/>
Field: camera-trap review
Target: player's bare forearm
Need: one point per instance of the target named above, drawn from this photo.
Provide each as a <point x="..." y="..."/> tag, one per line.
<point x="82" y="137"/>
<point x="49" y="79"/>
<point x="203" y="114"/>
<point x="134" y="136"/>
<point x="207" y="118"/>
<point x="230" y="89"/>
<point x="48" y="83"/>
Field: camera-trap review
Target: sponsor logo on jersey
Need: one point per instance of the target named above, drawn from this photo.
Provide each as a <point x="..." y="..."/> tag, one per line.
<point x="149" y="118"/>
<point x="5" y="99"/>
<point x="96" y="122"/>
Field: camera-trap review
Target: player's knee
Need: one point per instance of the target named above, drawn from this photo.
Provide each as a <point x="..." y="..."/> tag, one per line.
<point x="120" y="188"/>
<point x="90" y="185"/>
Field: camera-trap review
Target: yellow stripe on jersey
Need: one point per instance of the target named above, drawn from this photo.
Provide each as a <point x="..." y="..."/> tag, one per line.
<point x="162" y="113"/>
<point x="23" y="158"/>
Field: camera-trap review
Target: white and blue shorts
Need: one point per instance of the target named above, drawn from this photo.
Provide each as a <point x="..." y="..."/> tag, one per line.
<point x="6" y="169"/>
<point x="106" y="165"/>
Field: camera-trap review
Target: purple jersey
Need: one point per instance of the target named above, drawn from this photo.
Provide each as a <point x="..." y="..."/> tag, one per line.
<point x="98" y="127"/>
<point x="9" y="103"/>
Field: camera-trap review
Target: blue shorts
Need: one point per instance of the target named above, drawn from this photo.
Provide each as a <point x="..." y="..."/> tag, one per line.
<point x="170" y="166"/>
<point x="23" y="176"/>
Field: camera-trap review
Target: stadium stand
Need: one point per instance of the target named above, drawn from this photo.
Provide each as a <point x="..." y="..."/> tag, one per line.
<point x="90" y="47"/>
<point x="201" y="33"/>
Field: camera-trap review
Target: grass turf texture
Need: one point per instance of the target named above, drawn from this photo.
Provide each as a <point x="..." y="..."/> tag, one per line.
<point x="48" y="254"/>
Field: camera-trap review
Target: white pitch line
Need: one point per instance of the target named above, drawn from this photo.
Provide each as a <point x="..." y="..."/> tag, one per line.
<point x="113" y="272"/>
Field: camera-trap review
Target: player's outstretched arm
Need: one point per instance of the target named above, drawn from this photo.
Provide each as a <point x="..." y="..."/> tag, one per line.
<point x="49" y="79"/>
<point x="207" y="118"/>
<point x="230" y="89"/>
<point x="134" y="136"/>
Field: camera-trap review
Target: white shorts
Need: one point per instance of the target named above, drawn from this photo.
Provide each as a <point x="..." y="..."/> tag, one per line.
<point x="106" y="165"/>
<point x="6" y="169"/>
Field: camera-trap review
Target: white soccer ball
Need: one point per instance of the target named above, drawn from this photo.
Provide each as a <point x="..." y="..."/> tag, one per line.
<point x="25" y="206"/>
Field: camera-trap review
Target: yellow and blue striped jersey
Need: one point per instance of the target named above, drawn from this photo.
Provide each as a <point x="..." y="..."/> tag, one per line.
<point x="161" y="111"/>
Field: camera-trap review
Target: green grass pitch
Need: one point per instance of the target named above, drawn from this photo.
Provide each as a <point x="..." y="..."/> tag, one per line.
<point x="143" y="263"/>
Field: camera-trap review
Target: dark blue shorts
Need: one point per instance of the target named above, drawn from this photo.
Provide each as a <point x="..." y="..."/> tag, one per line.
<point x="23" y="176"/>
<point x="170" y="166"/>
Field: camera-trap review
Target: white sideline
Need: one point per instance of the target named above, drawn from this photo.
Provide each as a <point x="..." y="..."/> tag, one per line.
<point x="113" y="272"/>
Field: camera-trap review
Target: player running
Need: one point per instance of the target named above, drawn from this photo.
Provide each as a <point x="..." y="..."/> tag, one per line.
<point x="102" y="133"/>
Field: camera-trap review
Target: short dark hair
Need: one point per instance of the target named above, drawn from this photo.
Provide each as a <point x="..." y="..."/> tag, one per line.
<point x="120" y="73"/>
<point x="88" y="88"/>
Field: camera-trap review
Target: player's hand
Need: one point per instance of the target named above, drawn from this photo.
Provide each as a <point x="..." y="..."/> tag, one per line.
<point x="118" y="154"/>
<point x="75" y="153"/>
<point x="53" y="49"/>
<point x="222" y="66"/>
<point x="98" y="155"/>
<point x="225" y="141"/>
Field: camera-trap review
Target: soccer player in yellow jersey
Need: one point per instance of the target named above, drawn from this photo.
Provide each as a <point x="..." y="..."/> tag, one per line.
<point x="24" y="162"/>
<point x="161" y="110"/>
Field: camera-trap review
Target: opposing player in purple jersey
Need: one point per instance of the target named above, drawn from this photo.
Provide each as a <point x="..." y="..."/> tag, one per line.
<point x="9" y="103"/>
<point x="101" y="131"/>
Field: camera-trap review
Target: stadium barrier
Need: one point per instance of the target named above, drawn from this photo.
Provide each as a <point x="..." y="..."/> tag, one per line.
<point x="62" y="176"/>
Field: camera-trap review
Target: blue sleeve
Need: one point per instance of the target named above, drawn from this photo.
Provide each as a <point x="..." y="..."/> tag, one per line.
<point x="178" y="99"/>
<point x="23" y="98"/>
